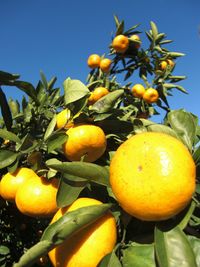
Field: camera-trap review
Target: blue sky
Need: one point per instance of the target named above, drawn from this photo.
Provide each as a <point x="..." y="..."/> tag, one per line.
<point x="58" y="36"/>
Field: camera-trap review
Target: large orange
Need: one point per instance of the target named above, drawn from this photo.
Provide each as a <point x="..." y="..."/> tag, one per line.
<point x="11" y="182"/>
<point x="94" y="61"/>
<point x="85" y="140"/>
<point x="120" y="43"/>
<point x="98" y="93"/>
<point x="87" y="247"/>
<point x="152" y="176"/>
<point x="37" y="197"/>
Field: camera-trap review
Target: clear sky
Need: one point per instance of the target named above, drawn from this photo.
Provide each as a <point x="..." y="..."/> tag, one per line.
<point x="58" y="36"/>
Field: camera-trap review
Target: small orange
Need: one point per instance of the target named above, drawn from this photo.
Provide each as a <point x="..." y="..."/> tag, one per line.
<point x="105" y="64"/>
<point x="85" y="140"/>
<point x="11" y="182"/>
<point x="37" y="197"/>
<point x="63" y="119"/>
<point x="98" y="93"/>
<point x="152" y="176"/>
<point x="151" y="95"/>
<point x="138" y="90"/>
<point x="88" y="246"/>
<point x="136" y="39"/>
<point x="170" y="62"/>
<point x="120" y="43"/>
<point x="94" y="61"/>
<point x="163" y="65"/>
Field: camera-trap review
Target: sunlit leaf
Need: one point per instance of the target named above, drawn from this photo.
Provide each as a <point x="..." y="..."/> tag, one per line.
<point x="173" y="249"/>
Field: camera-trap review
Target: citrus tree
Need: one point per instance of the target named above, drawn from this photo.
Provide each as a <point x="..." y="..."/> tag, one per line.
<point x="87" y="177"/>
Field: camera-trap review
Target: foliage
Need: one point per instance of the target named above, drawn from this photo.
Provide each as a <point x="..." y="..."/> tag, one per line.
<point x="29" y="127"/>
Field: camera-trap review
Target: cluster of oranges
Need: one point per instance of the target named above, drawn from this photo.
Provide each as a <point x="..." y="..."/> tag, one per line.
<point x="149" y="95"/>
<point x="150" y="179"/>
<point x="95" y="61"/>
<point x="33" y="195"/>
<point x="120" y="44"/>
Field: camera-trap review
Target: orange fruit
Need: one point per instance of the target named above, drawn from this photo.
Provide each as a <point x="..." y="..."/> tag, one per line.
<point x="63" y="119"/>
<point x="151" y="95"/>
<point x="152" y="176"/>
<point x="120" y="43"/>
<point x="94" y="61"/>
<point x="37" y="197"/>
<point x="138" y="90"/>
<point x="165" y="63"/>
<point x="136" y="39"/>
<point x="98" y="93"/>
<point x="88" y="246"/>
<point x="11" y="182"/>
<point x="105" y="65"/>
<point x="85" y="140"/>
<point x="170" y="62"/>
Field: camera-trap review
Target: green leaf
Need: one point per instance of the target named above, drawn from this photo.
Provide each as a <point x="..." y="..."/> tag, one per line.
<point x="4" y="250"/>
<point x="154" y="30"/>
<point x="44" y="80"/>
<point x="188" y="214"/>
<point x="34" y="253"/>
<point x="90" y="171"/>
<point x="69" y="189"/>
<point x="52" y="82"/>
<point x="183" y="123"/>
<point x="110" y="260"/>
<point x="139" y="255"/>
<point x="173" y="249"/>
<point x="7" y="157"/>
<point x="28" y="88"/>
<point x="50" y="128"/>
<point x="107" y="102"/>
<point x="27" y="144"/>
<point x="161" y="129"/>
<point x="5" y="110"/>
<point x="14" y="107"/>
<point x="9" y="136"/>
<point x="195" y="244"/>
<point x="175" y="54"/>
<point x="73" y="221"/>
<point x="56" y="141"/>
<point x="5" y="77"/>
<point x="74" y="90"/>
<point x="120" y="28"/>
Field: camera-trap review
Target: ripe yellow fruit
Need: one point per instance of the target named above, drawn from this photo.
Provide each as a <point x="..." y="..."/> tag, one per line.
<point x="105" y="65"/>
<point x="120" y="43"/>
<point x="165" y="63"/>
<point x="85" y="140"/>
<point x="63" y="119"/>
<point x="138" y="90"/>
<point x="11" y="182"/>
<point x="88" y="246"/>
<point x="170" y="62"/>
<point x="136" y="39"/>
<point x="150" y="96"/>
<point x="152" y="175"/>
<point x="98" y="93"/>
<point x="94" y="61"/>
<point x="37" y="197"/>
